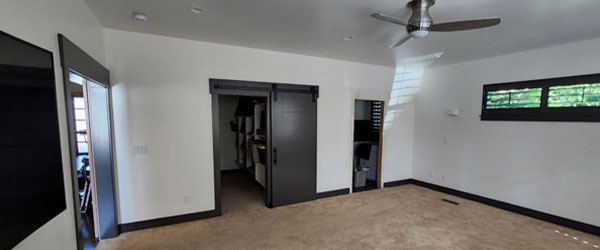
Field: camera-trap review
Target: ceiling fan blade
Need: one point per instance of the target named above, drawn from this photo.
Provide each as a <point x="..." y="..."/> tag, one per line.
<point x="388" y="18"/>
<point x="465" y="25"/>
<point x="399" y="41"/>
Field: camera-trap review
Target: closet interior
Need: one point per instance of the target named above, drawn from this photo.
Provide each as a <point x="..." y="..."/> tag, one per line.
<point x="249" y="122"/>
<point x="243" y="147"/>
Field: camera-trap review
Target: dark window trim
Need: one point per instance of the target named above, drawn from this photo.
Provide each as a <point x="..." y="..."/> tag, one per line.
<point x="568" y="114"/>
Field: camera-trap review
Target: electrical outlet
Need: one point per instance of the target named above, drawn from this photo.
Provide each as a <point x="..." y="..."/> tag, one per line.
<point x="443" y="177"/>
<point x="431" y="174"/>
<point x="445" y="140"/>
<point x="186" y="199"/>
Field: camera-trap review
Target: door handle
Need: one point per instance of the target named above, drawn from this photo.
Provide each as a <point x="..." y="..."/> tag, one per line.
<point x="275" y="156"/>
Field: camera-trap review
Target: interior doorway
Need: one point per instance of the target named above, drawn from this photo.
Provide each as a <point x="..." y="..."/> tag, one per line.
<point x="90" y="130"/>
<point x="242" y="148"/>
<point x="84" y="167"/>
<point x="367" y="145"/>
<point x="87" y="98"/>
<point x="286" y="129"/>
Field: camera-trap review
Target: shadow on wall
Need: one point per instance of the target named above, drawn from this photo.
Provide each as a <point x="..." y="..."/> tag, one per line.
<point x="407" y="81"/>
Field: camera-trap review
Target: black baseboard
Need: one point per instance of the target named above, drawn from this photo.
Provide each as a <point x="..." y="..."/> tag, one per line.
<point x="580" y="226"/>
<point x="333" y="193"/>
<point x="397" y="183"/>
<point x="128" y="227"/>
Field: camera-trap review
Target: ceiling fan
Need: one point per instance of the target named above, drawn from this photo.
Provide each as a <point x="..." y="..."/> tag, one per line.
<point x="420" y="23"/>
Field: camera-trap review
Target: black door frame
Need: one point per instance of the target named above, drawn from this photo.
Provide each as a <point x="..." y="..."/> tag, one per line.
<point x="237" y="88"/>
<point x="74" y="59"/>
<point x="222" y="87"/>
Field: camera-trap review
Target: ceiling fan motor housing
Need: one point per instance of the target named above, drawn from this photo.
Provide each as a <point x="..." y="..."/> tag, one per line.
<point x="420" y="21"/>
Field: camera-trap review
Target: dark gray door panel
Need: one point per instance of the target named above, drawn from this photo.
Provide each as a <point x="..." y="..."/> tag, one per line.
<point x="102" y="157"/>
<point x="294" y="139"/>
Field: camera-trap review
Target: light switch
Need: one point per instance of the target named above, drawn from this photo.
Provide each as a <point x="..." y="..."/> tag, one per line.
<point x="141" y="149"/>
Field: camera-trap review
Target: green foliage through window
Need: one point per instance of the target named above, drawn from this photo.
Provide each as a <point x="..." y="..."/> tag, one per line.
<point x="514" y="98"/>
<point x="580" y="95"/>
<point x="571" y="98"/>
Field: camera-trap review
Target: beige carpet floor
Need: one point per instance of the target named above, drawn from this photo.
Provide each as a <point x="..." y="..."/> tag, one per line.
<point x="405" y="217"/>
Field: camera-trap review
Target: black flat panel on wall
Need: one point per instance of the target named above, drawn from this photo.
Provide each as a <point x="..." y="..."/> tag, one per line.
<point x="294" y="148"/>
<point x="32" y="190"/>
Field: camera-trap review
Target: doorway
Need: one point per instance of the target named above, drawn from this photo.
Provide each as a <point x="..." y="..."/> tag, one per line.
<point x="84" y="167"/>
<point x="92" y="156"/>
<point x="87" y="98"/>
<point x="242" y="148"/>
<point x="367" y="145"/>
<point x="287" y="132"/>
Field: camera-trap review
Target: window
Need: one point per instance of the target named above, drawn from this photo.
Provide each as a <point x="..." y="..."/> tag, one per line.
<point x="580" y="95"/>
<point x="514" y="98"/>
<point x="80" y="125"/>
<point x="575" y="98"/>
<point x="376" y="116"/>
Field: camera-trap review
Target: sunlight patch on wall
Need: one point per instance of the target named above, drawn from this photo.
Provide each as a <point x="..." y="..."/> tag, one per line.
<point x="405" y="87"/>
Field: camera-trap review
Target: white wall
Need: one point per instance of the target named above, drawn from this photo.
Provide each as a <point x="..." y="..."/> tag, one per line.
<point x="398" y="143"/>
<point x="547" y="166"/>
<point x="161" y="99"/>
<point x="227" y="138"/>
<point x="39" y="22"/>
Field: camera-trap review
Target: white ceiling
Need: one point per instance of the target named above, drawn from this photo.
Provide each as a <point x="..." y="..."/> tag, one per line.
<point x="316" y="27"/>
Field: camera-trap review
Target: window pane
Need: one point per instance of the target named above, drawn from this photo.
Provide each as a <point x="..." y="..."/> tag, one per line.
<point x="82" y="147"/>
<point x="75" y="78"/>
<point x="80" y="125"/>
<point x="514" y="98"/>
<point x="80" y="114"/>
<point x="81" y="137"/>
<point x="78" y="103"/>
<point x="580" y="95"/>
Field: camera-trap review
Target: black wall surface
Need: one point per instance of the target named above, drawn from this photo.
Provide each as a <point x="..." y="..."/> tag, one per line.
<point x="31" y="175"/>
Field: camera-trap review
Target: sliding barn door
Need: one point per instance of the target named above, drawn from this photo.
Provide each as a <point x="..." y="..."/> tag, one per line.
<point x="294" y="148"/>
